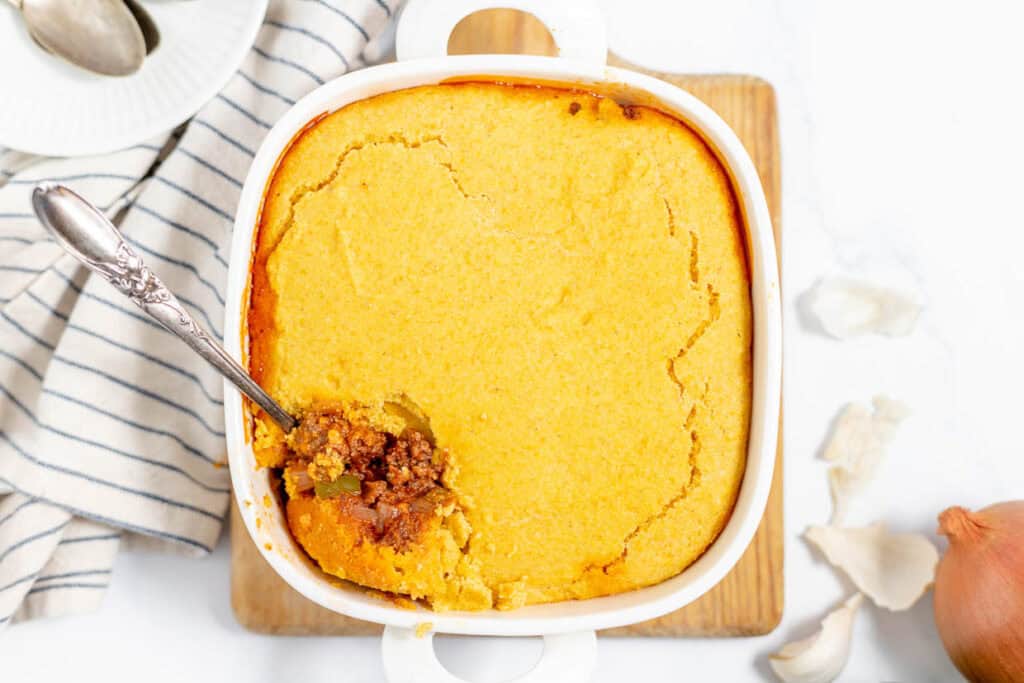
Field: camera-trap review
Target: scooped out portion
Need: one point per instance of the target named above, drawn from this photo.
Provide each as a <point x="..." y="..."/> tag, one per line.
<point x="516" y="323"/>
<point x="370" y="506"/>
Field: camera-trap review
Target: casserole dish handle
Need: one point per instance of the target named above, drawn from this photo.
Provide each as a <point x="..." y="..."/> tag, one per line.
<point x="567" y="658"/>
<point x="577" y="26"/>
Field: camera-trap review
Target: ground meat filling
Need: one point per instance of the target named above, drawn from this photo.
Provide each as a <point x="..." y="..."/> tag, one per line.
<point x="391" y="484"/>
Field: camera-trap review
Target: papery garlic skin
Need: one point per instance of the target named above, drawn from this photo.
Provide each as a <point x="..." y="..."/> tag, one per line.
<point x="842" y="491"/>
<point x="979" y="592"/>
<point x="894" y="570"/>
<point x="861" y="435"/>
<point x="819" y="658"/>
<point x="847" y="308"/>
<point x="857" y="448"/>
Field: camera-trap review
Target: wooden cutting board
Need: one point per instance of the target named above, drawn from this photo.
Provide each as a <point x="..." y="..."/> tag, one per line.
<point x="748" y="601"/>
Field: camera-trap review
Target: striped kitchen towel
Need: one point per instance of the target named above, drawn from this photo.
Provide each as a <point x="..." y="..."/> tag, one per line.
<point x="108" y="424"/>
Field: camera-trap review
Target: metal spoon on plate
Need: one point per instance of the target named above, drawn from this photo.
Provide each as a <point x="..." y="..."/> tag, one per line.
<point x="86" y="234"/>
<point x="150" y="33"/>
<point x="103" y="36"/>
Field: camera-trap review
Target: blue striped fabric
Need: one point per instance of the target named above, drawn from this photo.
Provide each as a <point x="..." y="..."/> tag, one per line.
<point x="107" y="423"/>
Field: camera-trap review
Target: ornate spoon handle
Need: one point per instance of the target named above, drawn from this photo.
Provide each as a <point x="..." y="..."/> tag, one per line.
<point x="87" y="235"/>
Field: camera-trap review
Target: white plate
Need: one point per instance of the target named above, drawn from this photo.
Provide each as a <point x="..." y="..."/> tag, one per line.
<point x="50" y="107"/>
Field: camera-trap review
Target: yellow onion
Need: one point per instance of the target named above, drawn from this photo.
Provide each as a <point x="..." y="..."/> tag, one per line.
<point x="979" y="592"/>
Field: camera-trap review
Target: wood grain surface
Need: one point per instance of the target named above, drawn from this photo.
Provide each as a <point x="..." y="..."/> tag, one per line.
<point x="748" y="601"/>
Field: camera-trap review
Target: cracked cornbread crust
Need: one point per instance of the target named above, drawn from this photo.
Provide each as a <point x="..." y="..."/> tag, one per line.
<point x="559" y="283"/>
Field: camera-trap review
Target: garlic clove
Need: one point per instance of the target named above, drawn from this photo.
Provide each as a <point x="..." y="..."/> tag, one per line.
<point x="857" y="447"/>
<point x="846" y="308"/>
<point x="819" y="658"/>
<point x="893" y="569"/>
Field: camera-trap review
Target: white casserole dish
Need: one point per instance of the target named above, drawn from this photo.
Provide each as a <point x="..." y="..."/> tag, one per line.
<point x="568" y="627"/>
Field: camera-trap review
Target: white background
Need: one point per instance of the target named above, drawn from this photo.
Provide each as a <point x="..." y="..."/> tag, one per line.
<point x="902" y="135"/>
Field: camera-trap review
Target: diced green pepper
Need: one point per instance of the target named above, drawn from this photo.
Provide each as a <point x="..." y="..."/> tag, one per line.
<point x="350" y="483"/>
<point x="346" y="483"/>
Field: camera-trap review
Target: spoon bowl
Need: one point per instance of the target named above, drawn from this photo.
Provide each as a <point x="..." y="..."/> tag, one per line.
<point x="102" y="36"/>
<point x="150" y="33"/>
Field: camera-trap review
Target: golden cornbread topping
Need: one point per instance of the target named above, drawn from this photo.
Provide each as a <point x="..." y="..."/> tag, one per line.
<point x="551" y="290"/>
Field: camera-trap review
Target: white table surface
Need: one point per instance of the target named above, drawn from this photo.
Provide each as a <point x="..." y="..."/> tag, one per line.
<point x="902" y="141"/>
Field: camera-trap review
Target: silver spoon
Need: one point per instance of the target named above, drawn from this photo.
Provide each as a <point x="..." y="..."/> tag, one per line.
<point x="86" y="234"/>
<point x="102" y="36"/>
<point x="150" y="33"/>
<point x="146" y="24"/>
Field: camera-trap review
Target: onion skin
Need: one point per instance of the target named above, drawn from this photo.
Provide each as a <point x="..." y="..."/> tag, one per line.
<point x="979" y="592"/>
